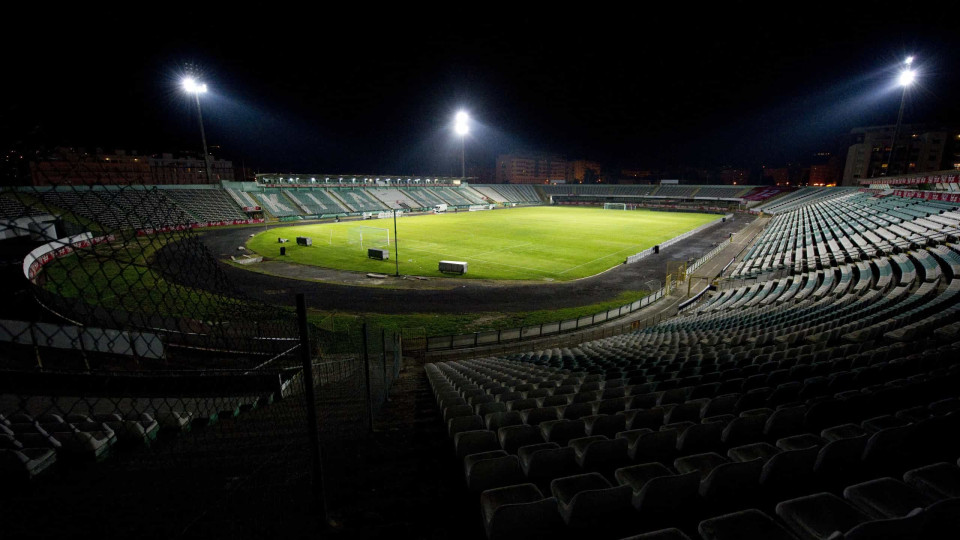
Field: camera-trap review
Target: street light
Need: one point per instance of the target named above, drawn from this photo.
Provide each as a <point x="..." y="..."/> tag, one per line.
<point x="461" y="127"/>
<point x="906" y="78"/>
<point x="191" y="86"/>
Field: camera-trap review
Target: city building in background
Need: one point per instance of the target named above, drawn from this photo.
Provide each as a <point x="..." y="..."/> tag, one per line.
<point x="68" y="166"/>
<point x="918" y="148"/>
<point x="530" y="168"/>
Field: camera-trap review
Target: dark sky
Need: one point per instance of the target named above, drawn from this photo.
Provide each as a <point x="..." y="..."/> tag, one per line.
<point x="373" y="91"/>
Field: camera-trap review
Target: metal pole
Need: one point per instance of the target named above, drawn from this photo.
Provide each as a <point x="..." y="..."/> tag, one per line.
<point x="203" y="137"/>
<point x="366" y="374"/>
<point x="313" y="427"/>
<point x="896" y="130"/>
<point x="383" y="362"/>
<point x="463" y="166"/>
<point x="396" y="244"/>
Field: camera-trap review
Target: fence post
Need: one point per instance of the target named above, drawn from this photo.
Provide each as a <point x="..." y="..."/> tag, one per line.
<point x="313" y="427"/>
<point x="366" y="375"/>
<point x="383" y="361"/>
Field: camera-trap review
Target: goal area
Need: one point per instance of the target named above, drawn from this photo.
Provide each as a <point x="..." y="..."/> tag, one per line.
<point x="615" y="206"/>
<point x="368" y="237"/>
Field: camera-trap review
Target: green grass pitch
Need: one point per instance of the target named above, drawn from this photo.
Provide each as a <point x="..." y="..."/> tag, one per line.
<point x="536" y="243"/>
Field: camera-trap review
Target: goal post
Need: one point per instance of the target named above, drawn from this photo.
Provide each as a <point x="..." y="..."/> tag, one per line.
<point x="614" y="206"/>
<point x="368" y="237"/>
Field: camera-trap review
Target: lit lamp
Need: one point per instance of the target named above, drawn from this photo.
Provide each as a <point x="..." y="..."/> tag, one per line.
<point x="905" y="79"/>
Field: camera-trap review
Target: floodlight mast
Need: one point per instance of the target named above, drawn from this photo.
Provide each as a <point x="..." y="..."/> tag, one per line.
<point x="191" y="86"/>
<point x="906" y="78"/>
<point x="462" y="128"/>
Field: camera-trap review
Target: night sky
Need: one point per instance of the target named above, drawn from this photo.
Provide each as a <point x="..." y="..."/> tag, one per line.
<point x="375" y="91"/>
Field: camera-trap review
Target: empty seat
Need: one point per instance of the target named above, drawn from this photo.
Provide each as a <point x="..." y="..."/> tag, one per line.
<point x="464" y="423"/>
<point x="489" y="470"/>
<point x="605" y="424"/>
<point x="819" y="516"/>
<point x="658" y="446"/>
<point x="600" y="454"/>
<point x="561" y="431"/>
<point x="644" y="418"/>
<point x="519" y="511"/>
<point x="541" y="463"/>
<point x="884" y="498"/>
<point x="497" y="420"/>
<point x="659" y="496"/>
<point x="513" y="437"/>
<point x="576" y="411"/>
<point x="474" y="442"/>
<point x="750" y="523"/>
<point x="937" y="481"/>
<point x="588" y="502"/>
<point x="699" y="438"/>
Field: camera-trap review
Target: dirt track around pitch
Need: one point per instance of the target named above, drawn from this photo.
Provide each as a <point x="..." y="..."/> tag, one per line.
<point x="354" y="292"/>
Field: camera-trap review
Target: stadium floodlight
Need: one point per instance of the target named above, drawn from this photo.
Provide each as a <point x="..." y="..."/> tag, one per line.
<point x="191" y="86"/>
<point x="905" y="79"/>
<point x="461" y="126"/>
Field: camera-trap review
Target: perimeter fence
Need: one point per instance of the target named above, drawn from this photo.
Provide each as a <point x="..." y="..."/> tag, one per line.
<point x="142" y="394"/>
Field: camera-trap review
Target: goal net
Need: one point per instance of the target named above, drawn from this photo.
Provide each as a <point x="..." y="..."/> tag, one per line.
<point x="369" y="237"/>
<point x="614" y="206"/>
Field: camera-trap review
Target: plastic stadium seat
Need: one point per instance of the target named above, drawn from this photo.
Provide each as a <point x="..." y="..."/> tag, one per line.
<point x="605" y="424"/>
<point x="519" y="511"/>
<point x="788" y="473"/>
<point x="838" y="462"/>
<point x="750" y="524"/>
<point x="25" y="464"/>
<point x="744" y="430"/>
<point x="658" y="446"/>
<point x="489" y="470"/>
<point x="497" y="420"/>
<point x="513" y="437"/>
<point x="749" y="452"/>
<point x="938" y="481"/>
<point x="522" y="404"/>
<point x="474" y="442"/>
<point x="699" y="438"/>
<point x="819" y="516"/>
<point x="542" y="464"/>
<point x="575" y="411"/>
<point x="660" y="496"/>
<point x="561" y="431"/>
<point x="484" y="409"/>
<point x="464" y="423"/>
<point x="600" y="454"/>
<point x="801" y="441"/>
<point x="590" y="504"/>
<point x="644" y="418"/>
<point x="731" y="485"/>
<point x="541" y="414"/>
<point x="884" y="498"/>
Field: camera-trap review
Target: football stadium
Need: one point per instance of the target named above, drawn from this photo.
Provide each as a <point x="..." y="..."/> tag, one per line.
<point x="789" y="366"/>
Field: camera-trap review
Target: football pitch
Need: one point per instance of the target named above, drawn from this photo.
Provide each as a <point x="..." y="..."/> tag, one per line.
<point x="535" y="243"/>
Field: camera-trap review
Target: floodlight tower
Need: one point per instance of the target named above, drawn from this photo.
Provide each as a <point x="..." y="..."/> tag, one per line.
<point x="461" y="127"/>
<point x="905" y="79"/>
<point x="191" y="86"/>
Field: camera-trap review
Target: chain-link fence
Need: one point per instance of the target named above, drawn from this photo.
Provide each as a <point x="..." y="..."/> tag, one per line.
<point x="142" y="394"/>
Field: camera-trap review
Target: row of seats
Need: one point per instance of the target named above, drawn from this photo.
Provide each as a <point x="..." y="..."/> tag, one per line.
<point x="91" y="430"/>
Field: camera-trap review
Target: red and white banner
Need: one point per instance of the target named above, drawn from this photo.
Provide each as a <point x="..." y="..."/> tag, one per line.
<point x="929" y="195"/>
<point x="143" y="232"/>
<point x="251" y="208"/>
<point x="36" y="259"/>
<point x="933" y="179"/>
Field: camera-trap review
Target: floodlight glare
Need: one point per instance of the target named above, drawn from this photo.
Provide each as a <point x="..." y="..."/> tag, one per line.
<point x="191" y="85"/>
<point x="907" y="77"/>
<point x="462" y="117"/>
<point x="909" y="60"/>
<point x="461" y="128"/>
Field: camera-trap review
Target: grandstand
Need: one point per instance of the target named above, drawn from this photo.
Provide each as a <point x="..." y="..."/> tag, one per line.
<point x="811" y="393"/>
<point x="746" y="416"/>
